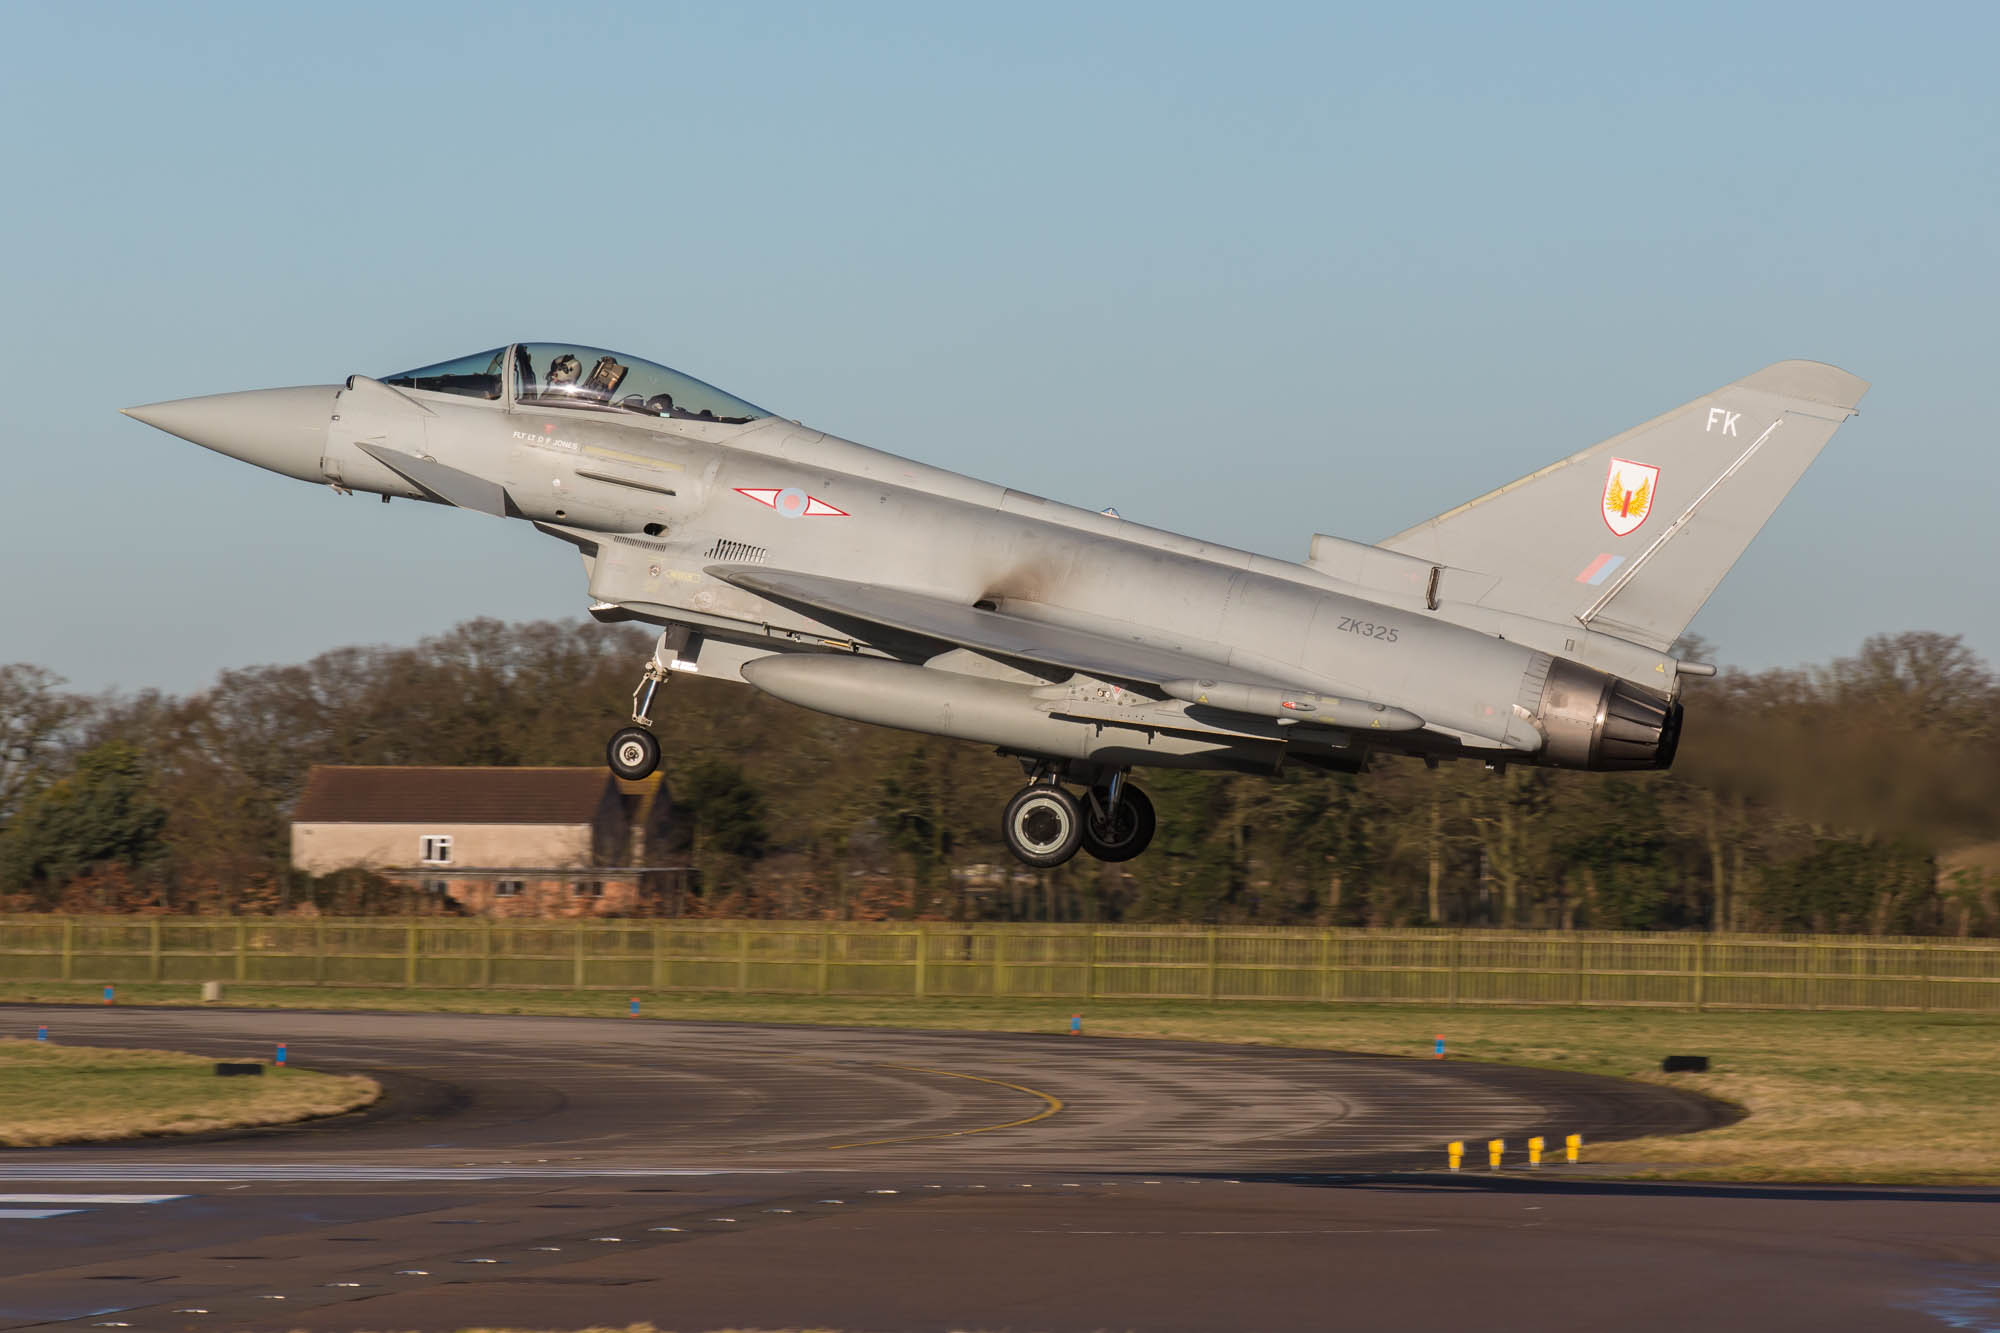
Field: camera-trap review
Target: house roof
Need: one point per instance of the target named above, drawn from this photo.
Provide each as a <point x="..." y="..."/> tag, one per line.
<point x="356" y="795"/>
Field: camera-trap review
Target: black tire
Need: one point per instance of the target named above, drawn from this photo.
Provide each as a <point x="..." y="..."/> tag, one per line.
<point x="633" y="753"/>
<point x="1128" y="832"/>
<point x="1043" y="825"/>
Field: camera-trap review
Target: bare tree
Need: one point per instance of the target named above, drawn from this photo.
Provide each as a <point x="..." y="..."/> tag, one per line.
<point x="38" y="722"/>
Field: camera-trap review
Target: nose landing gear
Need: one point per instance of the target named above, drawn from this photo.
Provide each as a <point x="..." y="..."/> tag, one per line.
<point x="1045" y="826"/>
<point x="634" y="752"/>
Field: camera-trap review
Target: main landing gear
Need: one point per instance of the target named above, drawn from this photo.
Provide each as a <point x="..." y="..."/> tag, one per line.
<point x="634" y="751"/>
<point x="1045" y="826"/>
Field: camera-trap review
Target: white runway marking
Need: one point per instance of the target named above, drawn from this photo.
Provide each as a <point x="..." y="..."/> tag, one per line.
<point x="13" y="1214"/>
<point x="89" y="1198"/>
<point x="1298" y="1231"/>
<point x="209" y="1173"/>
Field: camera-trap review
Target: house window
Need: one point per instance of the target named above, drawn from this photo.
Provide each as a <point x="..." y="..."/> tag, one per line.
<point x="440" y="887"/>
<point x="508" y="888"/>
<point x="587" y="888"/>
<point x="437" y="849"/>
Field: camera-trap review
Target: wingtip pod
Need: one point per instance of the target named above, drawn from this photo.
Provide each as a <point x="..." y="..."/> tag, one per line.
<point x="1808" y="381"/>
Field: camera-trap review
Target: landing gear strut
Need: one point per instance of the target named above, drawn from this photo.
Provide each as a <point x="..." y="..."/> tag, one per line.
<point x="634" y="752"/>
<point x="1045" y="826"/>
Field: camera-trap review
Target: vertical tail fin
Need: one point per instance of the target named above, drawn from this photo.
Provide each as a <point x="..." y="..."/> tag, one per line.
<point x="1632" y="535"/>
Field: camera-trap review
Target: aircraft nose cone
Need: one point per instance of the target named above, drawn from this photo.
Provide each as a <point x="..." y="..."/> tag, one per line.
<point x="280" y="429"/>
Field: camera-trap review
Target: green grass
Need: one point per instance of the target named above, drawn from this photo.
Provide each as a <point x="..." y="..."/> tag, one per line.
<point x="51" y="1093"/>
<point x="1850" y="1097"/>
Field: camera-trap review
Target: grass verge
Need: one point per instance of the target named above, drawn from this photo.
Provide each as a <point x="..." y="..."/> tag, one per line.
<point x="1842" y="1097"/>
<point x="51" y="1093"/>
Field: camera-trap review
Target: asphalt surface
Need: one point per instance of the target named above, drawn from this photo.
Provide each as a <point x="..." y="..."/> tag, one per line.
<point x="550" y="1173"/>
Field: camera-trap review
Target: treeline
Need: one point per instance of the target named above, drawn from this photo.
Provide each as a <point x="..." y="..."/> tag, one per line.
<point x="1856" y="797"/>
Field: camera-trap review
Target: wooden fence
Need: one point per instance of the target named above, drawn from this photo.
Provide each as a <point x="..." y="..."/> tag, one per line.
<point x="1453" y="967"/>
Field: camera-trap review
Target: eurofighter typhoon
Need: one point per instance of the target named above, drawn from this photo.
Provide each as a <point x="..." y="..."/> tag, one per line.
<point x="1533" y="625"/>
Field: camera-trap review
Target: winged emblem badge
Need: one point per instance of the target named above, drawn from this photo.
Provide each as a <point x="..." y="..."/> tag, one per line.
<point x="1628" y="495"/>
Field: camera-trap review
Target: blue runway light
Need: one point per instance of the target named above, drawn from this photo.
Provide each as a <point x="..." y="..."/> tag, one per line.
<point x="281" y="1053"/>
<point x="110" y="994"/>
<point x="42" y="1032"/>
<point x="1076" y="1025"/>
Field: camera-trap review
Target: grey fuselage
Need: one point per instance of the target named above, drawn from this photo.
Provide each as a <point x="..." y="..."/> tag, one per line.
<point x="655" y="503"/>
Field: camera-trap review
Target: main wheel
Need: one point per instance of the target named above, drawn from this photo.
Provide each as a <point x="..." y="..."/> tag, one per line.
<point x="633" y="753"/>
<point x="1043" y="825"/>
<point x="1126" y="833"/>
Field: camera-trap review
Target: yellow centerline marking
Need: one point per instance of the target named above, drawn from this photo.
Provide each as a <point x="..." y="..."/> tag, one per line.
<point x="1054" y="1104"/>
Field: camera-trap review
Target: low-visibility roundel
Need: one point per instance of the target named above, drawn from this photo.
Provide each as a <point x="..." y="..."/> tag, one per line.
<point x="791" y="502"/>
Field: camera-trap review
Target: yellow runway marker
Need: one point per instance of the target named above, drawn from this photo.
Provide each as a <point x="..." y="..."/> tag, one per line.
<point x="1054" y="1105"/>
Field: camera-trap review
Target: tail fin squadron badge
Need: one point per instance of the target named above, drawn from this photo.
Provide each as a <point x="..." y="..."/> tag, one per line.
<point x="1628" y="495"/>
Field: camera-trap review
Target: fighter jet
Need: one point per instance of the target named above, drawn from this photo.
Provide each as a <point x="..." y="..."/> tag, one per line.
<point x="1532" y="625"/>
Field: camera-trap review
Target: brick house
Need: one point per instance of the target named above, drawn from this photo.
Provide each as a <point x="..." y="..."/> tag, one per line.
<point x="496" y="841"/>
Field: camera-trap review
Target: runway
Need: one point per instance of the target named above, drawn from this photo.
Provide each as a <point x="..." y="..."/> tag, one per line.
<point x="548" y="1172"/>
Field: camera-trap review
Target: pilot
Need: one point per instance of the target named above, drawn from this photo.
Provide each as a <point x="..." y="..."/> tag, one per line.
<point x="564" y="371"/>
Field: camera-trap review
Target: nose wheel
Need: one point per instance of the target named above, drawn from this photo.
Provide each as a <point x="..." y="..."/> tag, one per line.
<point x="633" y="754"/>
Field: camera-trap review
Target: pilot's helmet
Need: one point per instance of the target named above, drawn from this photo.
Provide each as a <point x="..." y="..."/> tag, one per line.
<point x="564" y="371"/>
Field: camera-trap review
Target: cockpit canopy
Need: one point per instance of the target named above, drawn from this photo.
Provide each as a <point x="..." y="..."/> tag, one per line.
<point x="569" y="375"/>
<point x="475" y="376"/>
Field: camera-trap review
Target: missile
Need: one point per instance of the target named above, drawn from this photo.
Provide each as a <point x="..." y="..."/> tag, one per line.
<point x="1293" y="705"/>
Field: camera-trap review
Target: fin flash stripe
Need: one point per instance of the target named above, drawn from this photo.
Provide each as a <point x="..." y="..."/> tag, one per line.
<point x="1600" y="569"/>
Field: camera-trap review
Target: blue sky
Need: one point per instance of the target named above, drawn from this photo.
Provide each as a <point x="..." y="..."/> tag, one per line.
<point x="1248" y="273"/>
